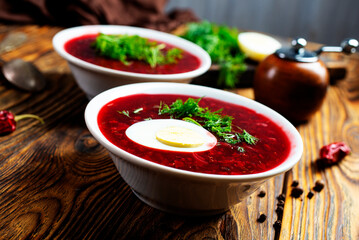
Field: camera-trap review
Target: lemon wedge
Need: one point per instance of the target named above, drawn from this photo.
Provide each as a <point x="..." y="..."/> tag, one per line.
<point x="257" y="46"/>
<point x="179" y="137"/>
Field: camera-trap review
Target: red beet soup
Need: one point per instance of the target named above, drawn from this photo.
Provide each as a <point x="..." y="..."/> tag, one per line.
<point x="272" y="148"/>
<point x="80" y="47"/>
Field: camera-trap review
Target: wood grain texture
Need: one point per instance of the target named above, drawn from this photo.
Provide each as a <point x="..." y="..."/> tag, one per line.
<point x="332" y="213"/>
<point x="57" y="182"/>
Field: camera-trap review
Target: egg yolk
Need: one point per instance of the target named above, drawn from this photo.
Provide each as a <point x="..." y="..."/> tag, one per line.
<point x="179" y="137"/>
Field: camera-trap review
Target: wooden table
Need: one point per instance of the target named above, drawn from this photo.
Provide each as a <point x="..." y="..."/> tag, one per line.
<point x="57" y="182"/>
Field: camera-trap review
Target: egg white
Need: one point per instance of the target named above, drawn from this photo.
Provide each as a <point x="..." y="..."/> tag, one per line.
<point x="144" y="133"/>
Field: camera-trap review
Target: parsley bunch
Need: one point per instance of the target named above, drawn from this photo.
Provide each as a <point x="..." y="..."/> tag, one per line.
<point x="133" y="47"/>
<point x="221" y="125"/>
<point x="220" y="42"/>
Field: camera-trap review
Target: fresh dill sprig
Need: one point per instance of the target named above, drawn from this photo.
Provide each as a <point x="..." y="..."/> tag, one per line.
<point x="127" y="48"/>
<point x="191" y="120"/>
<point x="241" y="149"/>
<point x="180" y="109"/>
<point x="138" y="110"/>
<point x="220" y="42"/>
<point x="124" y="112"/>
<point x="246" y="137"/>
<point x="213" y="121"/>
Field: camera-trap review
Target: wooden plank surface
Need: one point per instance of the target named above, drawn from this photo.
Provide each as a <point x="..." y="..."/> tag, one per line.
<point x="57" y="182"/>
<point x="332" y="213"/>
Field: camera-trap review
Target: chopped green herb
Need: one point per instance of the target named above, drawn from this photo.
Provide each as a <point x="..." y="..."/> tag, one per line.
<point x="240" y="149"/>
<point x="246" y="137"/>
<point x="191" y="120"/>
<point x="126" y="113"/>
<point x="180" y="109"/>
<point x="147" y="119"/>
<point x="138" y="110"/>
<point x="221" y="44"/>
<point x="133" y="47"/>
<point x="215" y="122"/>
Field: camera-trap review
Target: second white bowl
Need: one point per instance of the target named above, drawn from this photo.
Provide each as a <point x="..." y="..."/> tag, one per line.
<point x="93" y="79"/>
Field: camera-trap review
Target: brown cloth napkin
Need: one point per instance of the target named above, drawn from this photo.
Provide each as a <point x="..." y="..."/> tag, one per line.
<point x="68" y="13"/>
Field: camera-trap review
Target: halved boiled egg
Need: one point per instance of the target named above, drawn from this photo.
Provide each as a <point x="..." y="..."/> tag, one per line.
<point x="172" y="135"/>
<point x="257" y="46"/>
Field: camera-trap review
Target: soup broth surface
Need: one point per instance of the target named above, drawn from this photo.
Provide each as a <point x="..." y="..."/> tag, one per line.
<point x="80" y="47"/>
<point x="271" y="149"/>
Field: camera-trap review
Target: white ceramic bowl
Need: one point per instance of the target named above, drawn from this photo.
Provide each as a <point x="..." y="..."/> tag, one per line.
<point x="93" y="79"/>
<point x="179" y="191"/>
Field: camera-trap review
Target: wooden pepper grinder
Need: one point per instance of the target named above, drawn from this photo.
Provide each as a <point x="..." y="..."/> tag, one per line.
<point x="294" y="81"/>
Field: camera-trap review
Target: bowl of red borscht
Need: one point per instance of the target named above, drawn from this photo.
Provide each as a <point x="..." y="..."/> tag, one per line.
<point x="105" y="56"/>
<point x="189" y="149"/>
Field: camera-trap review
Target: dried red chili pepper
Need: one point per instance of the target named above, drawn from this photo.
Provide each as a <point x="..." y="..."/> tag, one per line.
<point x="8" y="121"/>
<point x="333" y="152"/>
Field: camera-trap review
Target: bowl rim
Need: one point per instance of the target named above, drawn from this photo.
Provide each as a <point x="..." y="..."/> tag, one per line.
<point x="59" y="40"/>
<point x="94" y="106"/>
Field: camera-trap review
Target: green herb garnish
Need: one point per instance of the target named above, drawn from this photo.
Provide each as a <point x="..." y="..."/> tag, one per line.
<point x="126" y="48"/>
<point x="191" y="120"/>
<point x="213" y="121"/>
<point x="246" y="137"/>
<point x="136" y="111"/>
<point x="221" y="44"/>
<point x="180" y="109"/>
<point x="126" y="113"/>
<point x="240" y="149"/>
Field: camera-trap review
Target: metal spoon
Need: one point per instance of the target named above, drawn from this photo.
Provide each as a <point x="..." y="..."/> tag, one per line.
<point x="23" y="75"/>
<point x="20" y="73"/>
